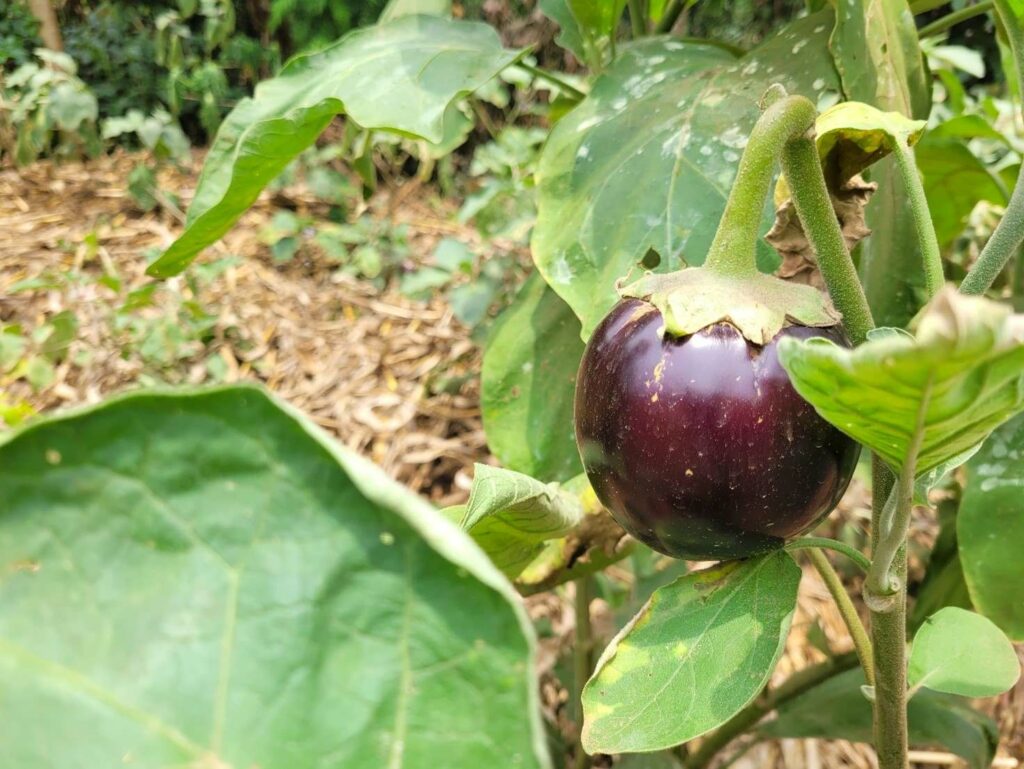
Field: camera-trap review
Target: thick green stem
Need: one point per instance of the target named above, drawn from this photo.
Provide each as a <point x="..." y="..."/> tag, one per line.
<point x="582" y="656"/>
<point x="673" y="10"/>
<point x="889" y="640"/>
<point x="1010" y="233"/>
<point x="637" y="19"/>
<point x="810" y="195"/>
<point x="930" y="251"/>
<point x="859" y="636"/>
<point x="855" y="555"/>
<point x="733" y="252"/>
<point x="798" y="683"/>
<point x="554" y="79"/>
<point x="939" y="26"/>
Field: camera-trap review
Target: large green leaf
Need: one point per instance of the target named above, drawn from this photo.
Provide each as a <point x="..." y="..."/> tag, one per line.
<point x="838" y="710"/>
<point x="959" y="652"/>
<point x="511" y="516"/>
<point x="880" y="63"/>
<point x="879" y="58"/>
<point x="990" y="528"/>
<point x="207" y="580"/>
<point x="403" y="76"/>
<point x="528" y="382"/>
<point x="954" y="181"/>
<point x="699" y="651"/>
<point x="647" y="159"/>
<point x="948" y="388"/>
<point x="398" y="8"/>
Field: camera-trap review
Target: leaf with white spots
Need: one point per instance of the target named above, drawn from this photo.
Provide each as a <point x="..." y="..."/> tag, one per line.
<point x="700" y="650"/>
<point x="646" y="161"/>
<point x="207" y="580"/>
<point x="990" y="528"/>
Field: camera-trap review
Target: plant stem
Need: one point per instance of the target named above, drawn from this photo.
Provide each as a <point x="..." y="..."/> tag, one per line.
<point x="668" y="19"/>
<point x="807" y="543"/>
<point x="861" y="642"/>
<point x="555" y="80"/>
<point x="814" y="207"/>
<point x="636" y="19"/>
<point x="1010" y="232"/>
<point x="582" y="656"/>
<point x="939" y="26"/>
<point x="792" y="687"/>
<point x="889" y="639"/>
<point x="933" y="276"/>
<point x="733" y="252"/>
<point x="923" y="6"/>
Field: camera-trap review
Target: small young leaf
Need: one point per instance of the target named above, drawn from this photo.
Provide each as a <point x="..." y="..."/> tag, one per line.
<point x="699" y="651"/>
<point x="511" y="515"/>
<point x="959" y="652"/>
<point x="837" y="709"/>
<point x="966" y="361"/>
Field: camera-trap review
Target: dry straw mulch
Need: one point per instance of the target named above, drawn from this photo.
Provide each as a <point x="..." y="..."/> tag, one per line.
<point x="392" y="378"/>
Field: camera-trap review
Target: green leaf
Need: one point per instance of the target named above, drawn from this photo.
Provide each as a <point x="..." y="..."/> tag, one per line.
<point x="403" y="76"/>
<point x="528" y="382"/>
<point x="990" y="528"/>
<point x="70" y="105"/>
<point x="852" y="135"/>
<point x="597" y="18"/>
<point x="569" y="36"/>
<point x="234" y="588"/>
<point x="879" y="58"/>
<point x="959" y="652"/>
<point x="959" y="379"/>
<point x="943" y="583"/>
<point x="511" y="515"/>
<point x="397" y="8"/>
<point x="647" y="159"/>
<point x="38" y="371"/>
<point x="453" y="255"/>
<point x="837" y="709"/>
<point x="421" y="284"/>
<point x="698" y="652"/>
<point x="471" y="301"/>
<point x="954" y="181"/>
<point x="12" y="347"/>
<point x="60" y="331"/>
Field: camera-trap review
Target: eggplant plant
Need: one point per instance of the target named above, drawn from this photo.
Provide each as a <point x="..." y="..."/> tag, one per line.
<point x="203" y="579"/>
